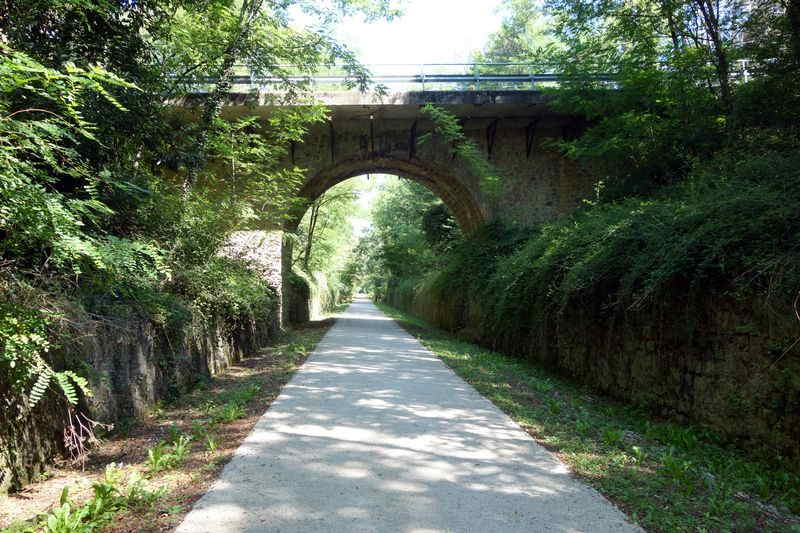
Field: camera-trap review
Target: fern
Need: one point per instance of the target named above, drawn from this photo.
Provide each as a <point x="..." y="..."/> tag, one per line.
<point x="80" y="381"/>
<point x="68" y="381"/>
<point x="40" y="386"/>
<point x="66" y="387"/>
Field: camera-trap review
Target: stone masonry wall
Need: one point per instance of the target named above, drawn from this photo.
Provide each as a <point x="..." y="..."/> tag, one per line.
<point x="718" y="362"/>
<point x="132" y="364"/>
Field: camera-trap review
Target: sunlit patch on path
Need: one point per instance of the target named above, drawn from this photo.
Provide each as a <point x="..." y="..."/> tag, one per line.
<point x="376" y="434"/>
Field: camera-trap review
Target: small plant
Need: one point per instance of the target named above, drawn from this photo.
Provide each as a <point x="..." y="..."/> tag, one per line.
<point x="612" y="436"/>
<point x="243" y="395"/>
<point x="541" y="385"/>
<point x="553" y="406"/>
<point x="174" y="509"/>
<point x="678" y="469"/>
<point x="583" y="426"/>
<point x="673" y="435"/>
<point x="157" y="458"/>
<point x="64" y="518"/>
<point x="163" y="457"/>
<point x="138" y="496"/>
<point x="157" y="411"/>
<point x="110" y="497"/>
<point x="208" y="407"/>
<point x="212" y="442"/>
<point x="198" y="430"/>
<point x="296" y="348"/>
<point x="639" y="455"/>
<point x="174" y="433"/>
<point x="180" y="449"/>
<point x="229" y="413"/>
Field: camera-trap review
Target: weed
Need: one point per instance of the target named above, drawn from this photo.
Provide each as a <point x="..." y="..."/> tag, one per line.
<point x="198" y="430"/>
<point x="612" y="436"/>
<point x="296" y="348"/>
<point x="208" y="407"/>
<point x="229" y="412"/>
<point x="174" y="433"/>
<point x="158" y="410"/>
<point x="163" y="457"/>
<point x="111" y="495"/>
<point x="212" y="442"/>
<point x="157" y="458"/>
<point x="554" y="407"/>
<point x="639" y="455"/>
<point x="180" y="448"/>
<point x="583" y="427"/>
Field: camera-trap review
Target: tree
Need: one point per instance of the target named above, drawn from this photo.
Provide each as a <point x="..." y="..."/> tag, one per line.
<point x="410" y="235"/>
<point x="326" y="228"/>
<point x="525" y="35"/>
<point x="678" y="80"/>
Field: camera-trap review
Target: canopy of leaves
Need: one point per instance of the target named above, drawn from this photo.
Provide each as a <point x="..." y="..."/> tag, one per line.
<point x="114" y="201"/>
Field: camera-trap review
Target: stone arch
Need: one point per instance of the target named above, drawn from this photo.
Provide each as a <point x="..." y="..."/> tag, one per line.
<point x="459" y="199"/>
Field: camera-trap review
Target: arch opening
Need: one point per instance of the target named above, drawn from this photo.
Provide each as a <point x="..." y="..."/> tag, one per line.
<point x="459" y="199"/>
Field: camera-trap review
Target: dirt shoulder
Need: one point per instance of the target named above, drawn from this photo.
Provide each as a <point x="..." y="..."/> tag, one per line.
<point x="215" y="417"/>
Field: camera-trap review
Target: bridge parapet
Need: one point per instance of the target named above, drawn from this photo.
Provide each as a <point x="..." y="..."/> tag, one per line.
<point x="409" y="77"/>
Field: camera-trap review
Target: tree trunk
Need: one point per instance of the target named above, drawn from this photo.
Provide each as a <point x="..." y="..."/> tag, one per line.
<point x="668" y="10"/>
<point x="793" y="16"/>
<point x="312" y="223"/>
<point x="711" y="23"/>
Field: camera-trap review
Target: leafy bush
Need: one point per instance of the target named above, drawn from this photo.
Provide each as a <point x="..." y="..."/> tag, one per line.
<point x="733" y="225"/>
<point x="226" y="287"/>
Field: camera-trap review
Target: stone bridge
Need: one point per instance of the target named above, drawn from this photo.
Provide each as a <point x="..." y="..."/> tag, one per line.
<point x="369" y="135"/>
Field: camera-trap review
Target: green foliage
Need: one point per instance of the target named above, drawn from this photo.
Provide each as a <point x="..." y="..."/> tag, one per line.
<point x="228" y="288"/>
<point x="446" y="127"/>
<point x="229" y="412"/>
<point x="732" y="226"/>
<point x="114" y="202"/>
<point x="38" y="150"/>
<point x="164" y="456"/>
<point x="324" y="237"/>
<point x="525" y="36"/>
<point x="233" y="405"/>
<point x="682" y="81"/>
<point x="111" y="495"/>
<point x="708" y="487"/>
<point x="411" y="232"/>
<point x="212" y="443"/>
<point x="24" y="341"/>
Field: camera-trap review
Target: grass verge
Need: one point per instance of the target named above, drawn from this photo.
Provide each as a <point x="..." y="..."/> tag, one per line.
<point x="146" y="477"/>
<point x="666" y="477"/>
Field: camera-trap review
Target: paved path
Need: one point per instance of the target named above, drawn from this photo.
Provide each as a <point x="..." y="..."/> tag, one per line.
<point x="376" y="434"/>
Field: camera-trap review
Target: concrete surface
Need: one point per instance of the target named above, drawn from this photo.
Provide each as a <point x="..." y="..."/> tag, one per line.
<point x="374" y="433"/>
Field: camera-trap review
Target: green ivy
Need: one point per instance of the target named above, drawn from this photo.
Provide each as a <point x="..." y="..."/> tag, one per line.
<point x="447" y="127"/>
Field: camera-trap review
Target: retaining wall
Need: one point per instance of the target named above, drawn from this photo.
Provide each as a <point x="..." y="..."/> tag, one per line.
<point x="720" y="362"/>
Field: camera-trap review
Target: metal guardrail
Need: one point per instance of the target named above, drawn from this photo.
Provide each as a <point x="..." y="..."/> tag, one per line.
<point x="424" y="77"/>
<point x="409" y="77"/>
